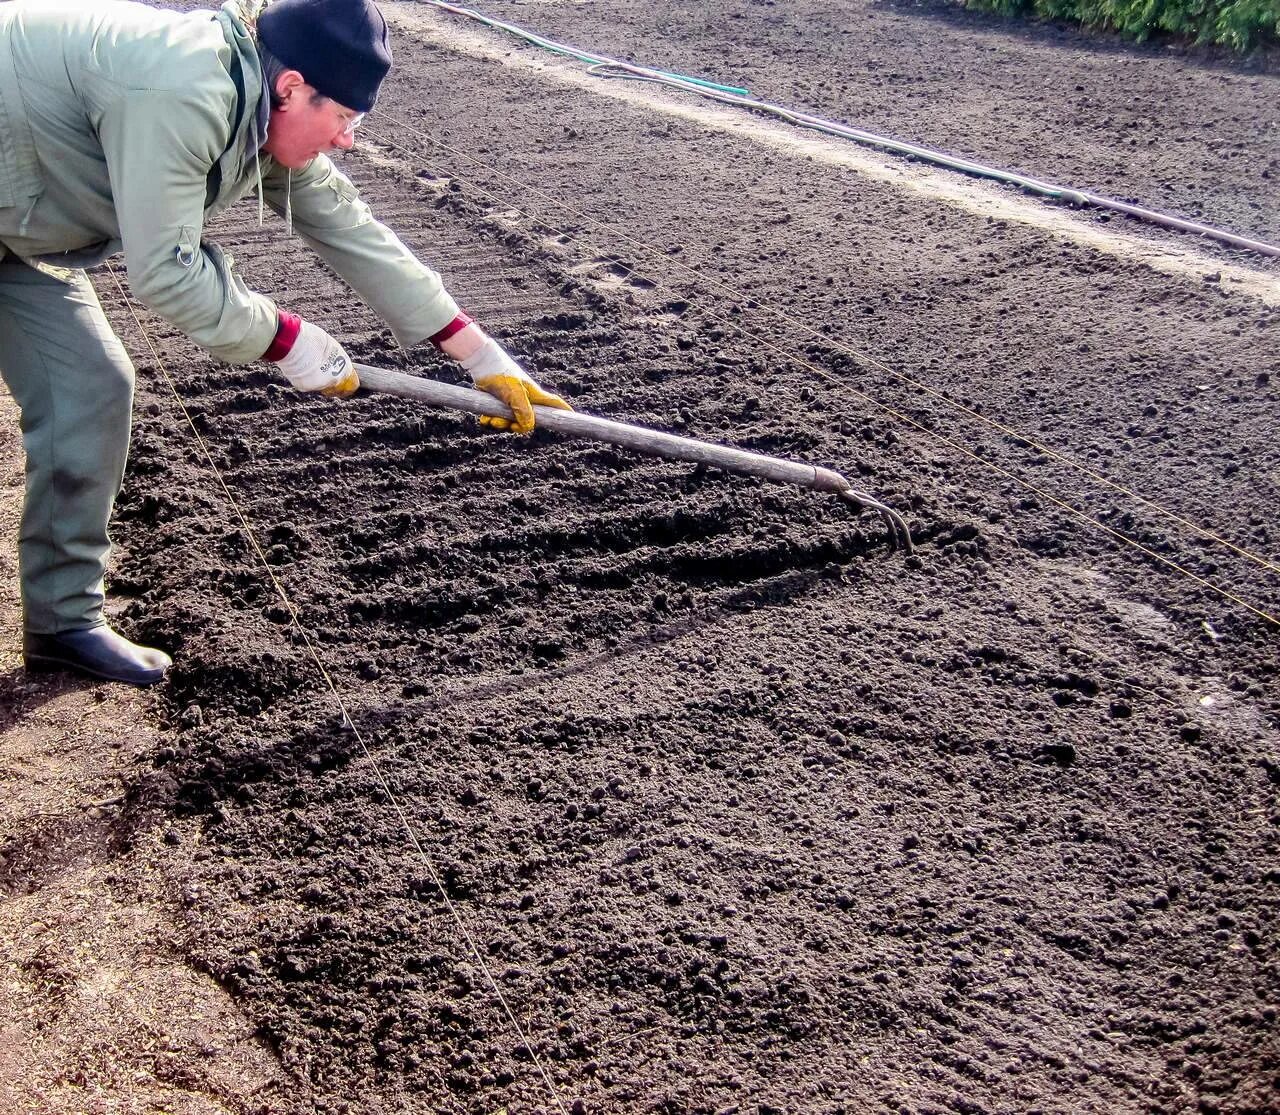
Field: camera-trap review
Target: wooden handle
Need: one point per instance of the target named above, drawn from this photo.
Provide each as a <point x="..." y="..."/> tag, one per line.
<point x="640" y="438"/>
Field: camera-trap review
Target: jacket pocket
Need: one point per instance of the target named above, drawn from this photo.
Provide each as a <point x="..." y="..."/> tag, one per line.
<point x="350" y="210"/>
<point x="342" y="186"/>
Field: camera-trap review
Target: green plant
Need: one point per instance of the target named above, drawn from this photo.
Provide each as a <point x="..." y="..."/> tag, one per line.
<point x="1245" y="22"/>
<point x="1238" y="24"/>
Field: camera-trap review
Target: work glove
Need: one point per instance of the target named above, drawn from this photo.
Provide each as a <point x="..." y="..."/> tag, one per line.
<point x="314" y="361"/>
<point x="492" y="370"/>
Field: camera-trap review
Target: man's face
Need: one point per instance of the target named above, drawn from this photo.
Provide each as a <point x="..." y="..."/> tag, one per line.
<point x="306" y="125"/>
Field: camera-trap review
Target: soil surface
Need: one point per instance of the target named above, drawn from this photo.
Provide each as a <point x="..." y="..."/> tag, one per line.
<point x="1190" y="130"/>
<point x="103" y="1011"/>
<point x="635" y="786"/>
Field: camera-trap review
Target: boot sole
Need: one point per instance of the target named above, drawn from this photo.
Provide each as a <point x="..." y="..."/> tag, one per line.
<point x="43" y="665"/>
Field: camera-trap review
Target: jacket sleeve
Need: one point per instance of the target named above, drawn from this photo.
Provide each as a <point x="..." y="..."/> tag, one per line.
<point x="328" y="213"/>
<point x="159" y="147"/>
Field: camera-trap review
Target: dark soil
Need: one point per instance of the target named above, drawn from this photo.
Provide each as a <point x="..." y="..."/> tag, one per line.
<point x="742" y="811"/>
<point x="1191" y="130"/>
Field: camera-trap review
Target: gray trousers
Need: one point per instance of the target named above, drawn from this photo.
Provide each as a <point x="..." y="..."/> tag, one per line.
<point x="73" y="382"/>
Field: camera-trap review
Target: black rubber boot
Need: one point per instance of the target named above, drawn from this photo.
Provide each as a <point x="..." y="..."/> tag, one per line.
<point x="98" y="652"/>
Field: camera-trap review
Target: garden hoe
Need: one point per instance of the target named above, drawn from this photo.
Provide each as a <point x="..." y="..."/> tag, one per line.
<point x="641" y="439"/>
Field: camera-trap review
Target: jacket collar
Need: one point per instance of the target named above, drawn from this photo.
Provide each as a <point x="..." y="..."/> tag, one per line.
<point x="251" y="132"/>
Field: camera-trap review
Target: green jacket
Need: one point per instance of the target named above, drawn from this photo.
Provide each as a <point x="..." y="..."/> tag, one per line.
<point x="125" y="127"/>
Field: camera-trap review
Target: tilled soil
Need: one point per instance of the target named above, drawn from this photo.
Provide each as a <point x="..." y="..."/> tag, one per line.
<point x="718" y="804"/>
<point x="1191" y="130"/>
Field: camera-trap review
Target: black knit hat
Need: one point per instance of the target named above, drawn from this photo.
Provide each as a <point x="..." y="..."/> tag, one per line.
<point x="340" y="46"/>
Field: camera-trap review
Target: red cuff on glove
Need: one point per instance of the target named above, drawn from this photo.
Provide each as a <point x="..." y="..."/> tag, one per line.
<point x="291" y="325"/>
<point x="458" y="324"/>
<point x="286" y="333"/>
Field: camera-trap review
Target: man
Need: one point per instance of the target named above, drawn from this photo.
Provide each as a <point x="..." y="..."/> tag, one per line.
<point x="124" y="127"/>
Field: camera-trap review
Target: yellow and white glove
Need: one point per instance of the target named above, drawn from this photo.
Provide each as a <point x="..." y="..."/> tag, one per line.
<point x="312" y="360"/>
<point x="492" y="370"/>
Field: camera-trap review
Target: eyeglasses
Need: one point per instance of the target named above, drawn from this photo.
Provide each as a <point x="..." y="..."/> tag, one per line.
<point x="353" y="124"/>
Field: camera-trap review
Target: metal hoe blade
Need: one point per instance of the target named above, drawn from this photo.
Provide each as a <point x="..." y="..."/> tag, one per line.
<point x="900" y="536"/>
